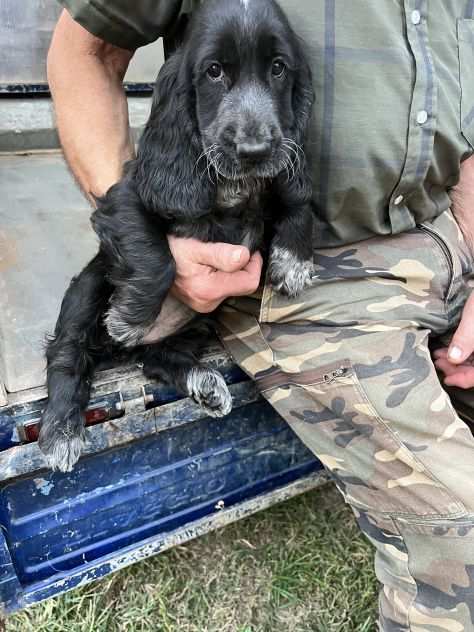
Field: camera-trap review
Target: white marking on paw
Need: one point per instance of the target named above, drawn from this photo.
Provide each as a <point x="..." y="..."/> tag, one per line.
<point x="64" y="453"/>
<point x="208" y="389"/>
<point x="122" y="332"/>
<point x="289" y="274"/>
<point x="245" y="3"/>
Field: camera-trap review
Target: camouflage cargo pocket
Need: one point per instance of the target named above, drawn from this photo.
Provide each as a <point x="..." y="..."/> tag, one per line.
<point x="330" y="411"/>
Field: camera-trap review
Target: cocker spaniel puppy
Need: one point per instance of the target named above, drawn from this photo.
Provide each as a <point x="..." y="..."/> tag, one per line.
<point x="222" y="159"/>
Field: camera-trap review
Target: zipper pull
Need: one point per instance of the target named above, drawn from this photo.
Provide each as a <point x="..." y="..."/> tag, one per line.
<point x="331" y="377"/>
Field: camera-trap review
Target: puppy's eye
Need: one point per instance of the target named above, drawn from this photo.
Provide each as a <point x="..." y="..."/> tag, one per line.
<point x="215" y="71"/>
<point x="278" y="68"/>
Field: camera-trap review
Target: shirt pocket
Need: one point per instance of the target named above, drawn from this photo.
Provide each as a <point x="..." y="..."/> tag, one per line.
<point x="466" y="73"/>
<point x="331" y="413"/>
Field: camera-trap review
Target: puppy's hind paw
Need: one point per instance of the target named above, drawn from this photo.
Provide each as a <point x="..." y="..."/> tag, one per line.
<point x="289" y="275"/>
<point x="61" y="440"/>
<point x="208" y="389"/>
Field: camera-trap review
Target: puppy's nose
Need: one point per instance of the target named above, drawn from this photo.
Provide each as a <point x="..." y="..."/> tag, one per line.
<point x="253" y="150"/>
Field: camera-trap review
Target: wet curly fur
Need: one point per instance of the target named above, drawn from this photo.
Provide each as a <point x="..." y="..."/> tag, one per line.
<point x="222" y="158"/>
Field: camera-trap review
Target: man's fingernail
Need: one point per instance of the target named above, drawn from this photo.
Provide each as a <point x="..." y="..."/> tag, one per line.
<point x="455" y="353"/>
<point x="236" y="255"/>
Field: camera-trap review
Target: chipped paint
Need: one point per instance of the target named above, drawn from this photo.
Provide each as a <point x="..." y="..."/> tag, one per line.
<point x="136" y="424"/>
<point x="43" y="486"/>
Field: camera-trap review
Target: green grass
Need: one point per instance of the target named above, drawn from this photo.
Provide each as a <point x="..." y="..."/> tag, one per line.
<point x="301" y="566"/>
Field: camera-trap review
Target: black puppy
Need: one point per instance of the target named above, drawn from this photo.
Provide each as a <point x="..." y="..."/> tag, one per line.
<point x="221" y="159"/>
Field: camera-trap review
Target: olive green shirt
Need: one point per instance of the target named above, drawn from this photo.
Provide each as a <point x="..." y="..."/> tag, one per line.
<point x="394" y="114"/>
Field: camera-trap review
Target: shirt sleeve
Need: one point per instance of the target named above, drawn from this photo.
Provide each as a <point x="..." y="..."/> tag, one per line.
<point x="129" y="24"/>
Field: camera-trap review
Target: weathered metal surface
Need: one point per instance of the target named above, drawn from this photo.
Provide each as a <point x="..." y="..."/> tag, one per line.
<point x="42" y="89"/>
<point x="62" y="582"/>
<point x="25" y="33"/>
<point x="28" y="124"/>
<point x="137" y="424"/>
<point x="153" y="486"/>
<point x="45" y="238"/>
<point x="123" y="388"/>
<point x="10" y="587"/>
<point x="155" y="474"/>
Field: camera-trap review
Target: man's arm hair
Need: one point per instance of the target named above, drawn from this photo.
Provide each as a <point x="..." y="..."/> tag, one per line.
<point x="462" y="197"/>
<point x="85" y="75"/>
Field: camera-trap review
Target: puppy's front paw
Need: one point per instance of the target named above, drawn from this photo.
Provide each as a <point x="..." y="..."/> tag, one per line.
<point x="289" y="275"/>
<point x="208" y="389"/>
<point x="61" y="439"/>
<point x="122" y="331"/>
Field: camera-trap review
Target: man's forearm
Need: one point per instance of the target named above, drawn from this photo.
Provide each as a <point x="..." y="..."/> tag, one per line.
<point x="462" y="196"/>
<point x="85" y="76"/>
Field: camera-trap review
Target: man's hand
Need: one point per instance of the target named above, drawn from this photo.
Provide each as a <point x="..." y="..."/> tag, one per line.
<point x="457" y="360"/>
<point x="208" y="273"/>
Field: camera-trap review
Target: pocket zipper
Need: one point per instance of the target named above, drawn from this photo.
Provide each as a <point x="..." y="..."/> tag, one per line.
<point x="280" y="379"/>
<point x="446" y="253"/>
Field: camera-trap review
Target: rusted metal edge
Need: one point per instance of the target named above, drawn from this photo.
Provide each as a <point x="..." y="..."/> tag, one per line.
<point x="138" y="424"/>
<point x="162" y="542"/>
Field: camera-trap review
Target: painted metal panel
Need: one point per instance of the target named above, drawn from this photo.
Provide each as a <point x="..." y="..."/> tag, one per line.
<point x="45" y="239"/>
<point x="62" y="582"/>
<point x="148" y="480"/>
<point x="10" y="588"/>
<point x="26" y="28"/>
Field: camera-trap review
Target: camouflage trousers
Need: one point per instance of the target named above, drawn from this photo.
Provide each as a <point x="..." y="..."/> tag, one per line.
<point x="347" y="365"/>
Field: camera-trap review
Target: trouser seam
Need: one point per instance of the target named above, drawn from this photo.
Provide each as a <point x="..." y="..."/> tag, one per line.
<point x="415" y="594"/>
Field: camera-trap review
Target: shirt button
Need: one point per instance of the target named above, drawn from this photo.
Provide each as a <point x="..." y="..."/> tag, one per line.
<point x="398" y="200"/>
<point x="416" y="17"/>
<point x="422" y="117"/>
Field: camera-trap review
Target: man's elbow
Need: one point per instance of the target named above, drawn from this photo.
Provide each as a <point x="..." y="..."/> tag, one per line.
<point x="72" y="45"/>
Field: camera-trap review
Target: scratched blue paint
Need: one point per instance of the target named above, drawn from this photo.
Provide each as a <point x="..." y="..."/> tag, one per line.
<point x="59" y="530"/>
<point x="43" y="486"/>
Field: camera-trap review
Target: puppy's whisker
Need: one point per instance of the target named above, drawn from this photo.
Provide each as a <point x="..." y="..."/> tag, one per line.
<point x="211" y="163"/>
<point x="296" y="161"/>
<point x="296" y="149"/>
<point x="293" y="143"/>
<point x="293" y="164"/>
<point x="289" y="165"/>
<point x="204" y="154"/>
<point x="214" y="162"/>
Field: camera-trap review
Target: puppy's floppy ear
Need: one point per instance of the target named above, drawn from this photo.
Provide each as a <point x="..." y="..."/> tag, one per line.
<point x="303" y="97"/>
<point x="166" y="170"/>
<point x="298" y="190"/>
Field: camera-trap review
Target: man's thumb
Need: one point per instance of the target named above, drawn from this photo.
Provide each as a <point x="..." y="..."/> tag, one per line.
<point x="224" y="257"/>
<point x="462" y="343"/>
